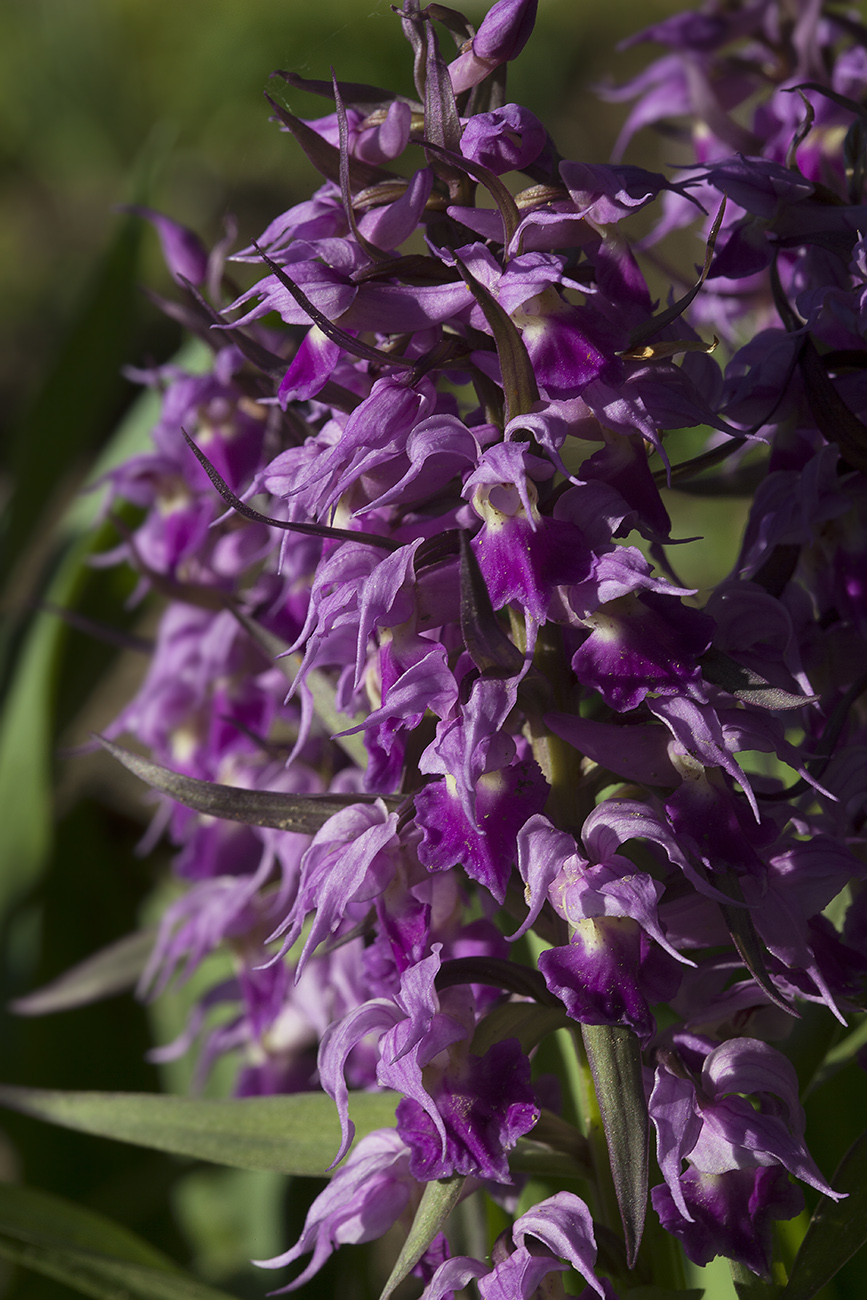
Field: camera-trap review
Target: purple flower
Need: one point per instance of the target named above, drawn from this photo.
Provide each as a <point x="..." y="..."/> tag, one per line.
<point x="185" y="254"/>
<point x="464" y="403"/>
<point x="504" y="32"/>
<point x="639" y="644"/>
<point x="363" y="1200"/>
<point x="506" y="139"/>
<point x="712" y="1125"/>
<point x="485" y="1103"/>
<point x="554" y="1235"/>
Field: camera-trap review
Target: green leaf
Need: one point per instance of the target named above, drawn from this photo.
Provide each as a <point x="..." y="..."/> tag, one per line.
<point x="555" y="1148"/>
<point x="111" y="970"/>
<point x="841" y="1054"/>
<point x="325" y="157"/>
<point x="614" y="1055"/>
<point x="30" y="1215"/>
<point x="642" y="333"/>
<point x="519" y="380"/>
<point x="747" y="685"/>
<point x="487" y="644"/>
<point x="298" y="1134"/>
<point x="84" y="384"/>
<point x="88" y="1252"/>
<point x="537" y="1160"/>
<point x="661" y="1293"/>
<point x="305" y="814"/>
<point x="837" y="1228"/>
<point x="526" y="1021"/>
<point x="746" y="939"/>
<point x="507" y="206"/>
<point x="438" y="1200"/>
<point x="26" y="739"/>
<point x="834" y="418"/>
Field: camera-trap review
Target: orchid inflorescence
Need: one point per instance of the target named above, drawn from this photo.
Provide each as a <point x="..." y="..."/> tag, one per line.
<point x="532" y="835"/>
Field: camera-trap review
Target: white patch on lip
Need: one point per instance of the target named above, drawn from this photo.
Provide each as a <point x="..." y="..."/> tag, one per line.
<point x="608" y="629"/>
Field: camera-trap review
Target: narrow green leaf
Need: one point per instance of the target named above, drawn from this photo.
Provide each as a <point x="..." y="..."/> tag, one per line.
<point x="519" y="380"/>
<point x="837" y="1228"/>
<point x="614" y="1055"/>
<point x="438" y="1200"/>
<point x="536" y="1160"/>
<point x="499" y="973"/>
<point x="111" y="970"/>
<point x="642" y="333"/>
<point x="749" y="945"/>
<point x="88" y="1252"/>
<point x="27" y="1214"/>
<point x="554" y="1147"/>
<point x="105" y="1278"/>
<point x="298" y="1134"/>
<point x="288" y="525"/>
<point x="747" y="685"/>
<point x="661" y="1293"/>
<point x="502" y="197"/>
<point x="26" y="739"/>
<point x="325" y="157"/>
<point x="356" y="94"/>
<point x="487" y="644"/>
<point x="71" y="411"/>
<point x="526" y="1021"/>
<point x="834" y="418"/>
<point x="841" y="1054"/>
<point x="304" y="814"/>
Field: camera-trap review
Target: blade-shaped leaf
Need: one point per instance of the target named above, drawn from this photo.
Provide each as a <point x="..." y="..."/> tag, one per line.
<point x="519" y="379"/>
<point x="661" y="1293"/>
<point x="498" y="973"/>
<point x="554" y="1145"/>
<point x="749" y="1286"/>
<point x="298" y="1134"/>
<point x="323" y="155"/>
<point x="105" y="1278"/>
<point x="28" y="1214"/>
<point x="507" y="206"/>
<point x="614" y="1055"/>
<point x="26" y="739"/>
<point x="835" y="419"/>
<point x="527" y="1021"/>
<point x="356" y="94"/>
<point x="288" y="525"/>
<point x="304" y="814"/>
<point x="749" y="945"/>
<point x="747" y="685"/>
<point x="837" y="1228"/>
<point x="642" y="333"/>
<point x="841" y="1054"/>
<point x="538" y="1160"/>
<point x="487" y="644"/>
<point x="438" y="1200"/>
<point x="88" y="1252"/>
<point x="111" y="970"/>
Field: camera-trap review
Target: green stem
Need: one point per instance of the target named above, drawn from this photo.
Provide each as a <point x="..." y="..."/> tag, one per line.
<point x="750" y="1287"/>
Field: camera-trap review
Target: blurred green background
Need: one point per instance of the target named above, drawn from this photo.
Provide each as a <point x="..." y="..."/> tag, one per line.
<point x="104" y="102"/>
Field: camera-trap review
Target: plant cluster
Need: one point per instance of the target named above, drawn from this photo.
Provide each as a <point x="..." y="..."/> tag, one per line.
<point x="533" y="837"/>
